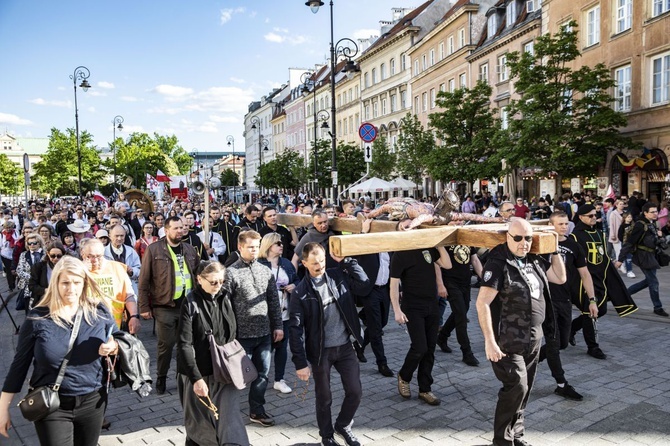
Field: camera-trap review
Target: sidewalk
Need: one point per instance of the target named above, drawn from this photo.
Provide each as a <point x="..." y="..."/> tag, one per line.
<point x="626" y="397"/>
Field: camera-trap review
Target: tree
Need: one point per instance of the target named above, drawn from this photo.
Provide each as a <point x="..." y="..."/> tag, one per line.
<point x="285" y="171"/>
<point x="467" y="128"/>
<point x="414" y="146"/>
<point x="564" y="120"/>
<point x="383" y="159"/>
<point x="229" y="178"/>
<point x="350" y="163"/>
<point x="11" y="176"/>
<point x="57" y="172"/>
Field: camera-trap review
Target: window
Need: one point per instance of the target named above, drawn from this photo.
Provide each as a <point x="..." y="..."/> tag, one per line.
<point x="375" y="111"/>
<point x="416" y="104"/>
<point x="452" y="85"/>
<point x="403" y="99"/>
<point x="442" y="87"/>
<point x="533" y="5"/>
<point x="416" y="67"/>
<point x="484" y="73"/>
<point x="461" y="81"/>
<point x="367" y="112"/>
<point x="529" y="48"/>
<point x="424" y="101"/>
<point x="382" y="71"/>
<point x="491" y="25"/>
<point x="502" y="68"/>
<point x="356" y="93"/>
<point x="366" y="80"/>
<point x="461" y="37"/>
<point x="432" y="98"/>
<point x="441" y="50"/>
<point x="393" y="103"/>
<point x="392" y="67"/>
<point x="624" y="15"/>
<point x="432" y="57"/>
<point x="374" y="76"/>
<point x="622" y="89"/>
<point x="593" y="26"/>
<point x="403" y="62"/>
<point x="661" y="7"/>
<point x="424" y="63"/>
<point x="383" y="106"/>
<point x="660" y="79"/>
<point x="451" y="44"/>
<point x="511" y="13"/>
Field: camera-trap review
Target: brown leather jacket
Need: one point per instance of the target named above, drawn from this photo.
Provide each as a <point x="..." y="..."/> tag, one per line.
<point x="156" y="284"/>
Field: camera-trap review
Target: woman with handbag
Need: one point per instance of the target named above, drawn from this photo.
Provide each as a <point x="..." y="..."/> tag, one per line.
<point x="64" y="337"/>
<point x="270" y="255"/>
<point x="211" y="409"/>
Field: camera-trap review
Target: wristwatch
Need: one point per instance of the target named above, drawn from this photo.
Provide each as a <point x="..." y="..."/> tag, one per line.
<point x="592" y="300"/>
<point x="134" y="315"/>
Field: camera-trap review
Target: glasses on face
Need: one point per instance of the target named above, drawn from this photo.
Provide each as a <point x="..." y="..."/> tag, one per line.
<point x="33" y="243"/>
<point x="213" y="282"/>
<point x="93" y="257"/>
<point x="226" y="215"/>
<point x="518" y="238"/>
<point x="55" y="256"/>
<point x="278" y="244"/>
<point x="590" y="215"/>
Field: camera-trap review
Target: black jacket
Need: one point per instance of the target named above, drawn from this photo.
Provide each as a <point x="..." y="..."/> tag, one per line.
<point x="641" y="242"/>
<point x="38" y="282"/>
<point x="306" y="328"/>
<point x="132" y="365"/>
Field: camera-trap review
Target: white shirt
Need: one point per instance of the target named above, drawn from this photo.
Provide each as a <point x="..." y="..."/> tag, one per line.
<point x="216" y="242"/>
<point x="384" y="269"/>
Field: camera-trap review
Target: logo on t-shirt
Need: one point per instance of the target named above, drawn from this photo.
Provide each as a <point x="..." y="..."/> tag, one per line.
<point x="487" y="276"/>
<point x="426" y="256"/>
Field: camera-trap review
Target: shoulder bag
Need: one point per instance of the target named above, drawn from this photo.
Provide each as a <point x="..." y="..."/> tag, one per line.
<point x="230" y="362"/>
<point x="44" y="400"/>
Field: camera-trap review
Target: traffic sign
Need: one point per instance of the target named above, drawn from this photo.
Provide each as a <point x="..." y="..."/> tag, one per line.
<point x="367" y="154"/>
<point x="367" y="132"/>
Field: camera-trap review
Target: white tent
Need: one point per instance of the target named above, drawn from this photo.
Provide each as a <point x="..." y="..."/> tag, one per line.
<point x="404" y="184"/>
<point x="373" y="185"/>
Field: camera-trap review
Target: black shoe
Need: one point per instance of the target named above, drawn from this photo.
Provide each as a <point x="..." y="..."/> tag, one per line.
<point x="661" y="312"/>
<point x="572" y="340"/>
<point x="106" y="424"/>
<point x="347" y="435"/>
<point x="330" y="441"/>
<point x="385" y="370"/>
<point x="469" y="359"/>
<point x="569" y="392"/>
<point x="596" y="353"/>
<point x="263" y="419"/>
<point x="444" y="347"/>
<point x="520" y="442"/>
<point x="360" y="353"/>
<point x="160" y="385"/>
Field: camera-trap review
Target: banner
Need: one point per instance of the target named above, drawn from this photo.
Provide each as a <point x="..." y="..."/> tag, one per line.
<point x="179" y="186"/>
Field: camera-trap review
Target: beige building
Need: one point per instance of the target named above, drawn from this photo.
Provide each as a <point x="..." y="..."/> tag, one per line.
<point x="348" y="95"/>
<point x="631" y="38"/>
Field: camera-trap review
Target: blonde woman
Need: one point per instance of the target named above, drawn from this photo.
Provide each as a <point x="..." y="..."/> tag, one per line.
<point x="43" y="342"/>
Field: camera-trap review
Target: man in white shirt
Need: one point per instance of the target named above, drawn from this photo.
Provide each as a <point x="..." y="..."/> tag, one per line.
<point x="118" y="251"/>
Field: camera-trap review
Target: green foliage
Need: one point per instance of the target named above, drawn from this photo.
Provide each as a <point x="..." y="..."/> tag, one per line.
<point x="564" y="120"/>
<point x="383" y="159"/>
<point x="414" y="146"/>
<point x="11" y="176"/>
<point x="285" y="171"/>
<point x="467" y="128"/>
<point x="229" y="178"/>
<point x="350" y="163"/>
<point x="56" y="173"/>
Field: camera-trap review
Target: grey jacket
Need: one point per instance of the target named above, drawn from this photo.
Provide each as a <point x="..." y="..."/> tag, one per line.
<point x="253" y="292"/>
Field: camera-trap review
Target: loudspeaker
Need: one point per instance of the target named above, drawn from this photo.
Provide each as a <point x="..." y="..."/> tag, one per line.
<point x="198" y="188"/>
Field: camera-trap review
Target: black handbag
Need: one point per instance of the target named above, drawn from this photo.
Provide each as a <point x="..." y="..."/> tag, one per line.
<point x="44" y="400"/>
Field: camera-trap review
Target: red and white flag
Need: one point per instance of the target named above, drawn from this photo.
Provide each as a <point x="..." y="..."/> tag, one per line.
<point x="97" y="196"/>
<point x="161" y="177"/>
<point x="610" y="193"/>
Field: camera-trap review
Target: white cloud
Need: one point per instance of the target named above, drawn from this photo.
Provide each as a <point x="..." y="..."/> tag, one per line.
<point x="7" y="118"/>
<point x="165" y="130"/>
<point x="40" y="101"/>
<point x="96" y="93"/>
<point x="129" y="98"/>
<point x="252" y="14"/>
<point x="227" y="14"/>
<point x="172" y="91"/>
<point x="91" y="109"/>
<point x="272" y="37"/>
<point x="237" y="80"/>
<point x="61" y="88"/>
<point x="226" y="119"/>
<point x="280" y="30"/>
<point x="267" y="20"/>
<point x="281" y="35"/>
<point x="106" y="85"/>
<point x="164" y="110"/>
<point x="365" y="33"/>
<point x="128" y="129"/>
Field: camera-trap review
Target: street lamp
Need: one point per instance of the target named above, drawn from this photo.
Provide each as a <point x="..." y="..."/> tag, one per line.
<point x="322" y="115"/>
<point x="347" y="48"/>
<point x="262" y="145"/>
<point x="117" y="123"/>
<point x="80" y="73"/>
<point x="231" y="143"/>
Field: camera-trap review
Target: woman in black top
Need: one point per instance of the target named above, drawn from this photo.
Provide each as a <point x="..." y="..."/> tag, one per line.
<point x="43" y="341"/>
<point x="194" y="364"/>
<point x="41" y="272"/>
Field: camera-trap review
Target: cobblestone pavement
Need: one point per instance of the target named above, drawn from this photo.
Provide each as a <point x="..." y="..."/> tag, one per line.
<point x="627" y="396"/>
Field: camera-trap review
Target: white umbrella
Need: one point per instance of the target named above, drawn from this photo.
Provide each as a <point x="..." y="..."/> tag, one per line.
<point x="404" y="184"/>
<point x="372" y="185"/>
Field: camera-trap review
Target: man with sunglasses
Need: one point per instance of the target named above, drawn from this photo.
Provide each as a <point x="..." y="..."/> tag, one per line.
<point x="607" y="283"/>
<point x="506" y="210"/>
<point x="513" y="303"/>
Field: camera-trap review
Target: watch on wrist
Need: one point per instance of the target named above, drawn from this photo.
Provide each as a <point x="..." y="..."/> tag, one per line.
<point x="592" y="300"/>
<point x="134" y="315"/>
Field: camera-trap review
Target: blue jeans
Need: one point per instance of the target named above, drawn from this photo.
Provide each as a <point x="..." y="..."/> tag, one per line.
<point x="259" y="351"/>
<point x="281" y="354"/>
<point x="651" y="281"/>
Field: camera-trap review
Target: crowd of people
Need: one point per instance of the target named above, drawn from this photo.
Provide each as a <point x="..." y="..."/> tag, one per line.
<point x="238" y="274"/>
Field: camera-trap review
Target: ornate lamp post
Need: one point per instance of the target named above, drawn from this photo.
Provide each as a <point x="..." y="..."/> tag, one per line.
<point x="347" y="48"/>
<point x="81" y="73"/>
<point x="231" y="143"/>
<point x="117" y="123"/>
<point x="322" y="115"/>
<point x="262" y="145"/>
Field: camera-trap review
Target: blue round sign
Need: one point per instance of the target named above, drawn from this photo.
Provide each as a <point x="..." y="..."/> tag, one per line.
<point x="367" y="132"/>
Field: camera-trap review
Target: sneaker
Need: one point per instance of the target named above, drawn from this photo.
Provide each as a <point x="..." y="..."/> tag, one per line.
<point x="444" y="347"/>
<point x="597" y="353"/>
<point x="263" y="419"/>
<point x="630" y="274"/>
<point x="661" y="312"/>
<point x="569" y="392"/>
<point x="329" y="441"/>
<point x="403" y="388"/>
<point x="430" y="398"/>
<point x="282" y="386"/>
<point x="622" y="268"/>
<point x="469" y="359"/>
<point x="347" y="435"/>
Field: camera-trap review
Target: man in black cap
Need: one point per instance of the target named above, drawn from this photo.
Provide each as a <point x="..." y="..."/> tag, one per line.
<point x="606" y="281"/>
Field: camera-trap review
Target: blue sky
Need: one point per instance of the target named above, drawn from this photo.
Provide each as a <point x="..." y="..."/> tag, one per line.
<point x="174" y="67"/>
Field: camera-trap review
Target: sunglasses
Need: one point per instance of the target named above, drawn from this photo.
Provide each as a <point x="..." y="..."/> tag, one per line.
<point x="279" y="244"/>
<point x="55" y="256"/>
<point x="590" y="215"/>
<point x="33" y="243"/>
<point x="226" y="215"/>
<point x="518" y="238"/>
<point x="215" y="282"/>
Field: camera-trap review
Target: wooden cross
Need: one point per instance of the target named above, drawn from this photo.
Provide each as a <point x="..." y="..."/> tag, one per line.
<point x="383" y="236"/>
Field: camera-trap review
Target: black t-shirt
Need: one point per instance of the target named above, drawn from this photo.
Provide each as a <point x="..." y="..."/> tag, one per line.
<point x="416" y="271"/>
<point x="460" y="273"/>
<point x="573" y="258"/>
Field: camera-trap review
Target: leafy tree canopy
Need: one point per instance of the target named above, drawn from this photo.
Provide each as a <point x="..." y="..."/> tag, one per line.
<point x="383" y="159"/>
<point x="414" y="146"/>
